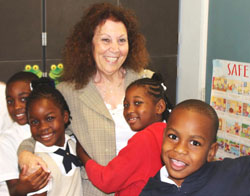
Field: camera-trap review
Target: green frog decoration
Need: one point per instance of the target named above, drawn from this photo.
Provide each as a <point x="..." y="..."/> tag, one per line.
<point x="56" y="72"/>
<point x="34" y="69"/>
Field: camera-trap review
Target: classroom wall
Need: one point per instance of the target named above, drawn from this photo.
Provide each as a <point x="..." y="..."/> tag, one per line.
<point x="228" y="34"/>
<point x="20" y="33"/>
<point x="209" y="29"/>
<point x="191" y="65"/>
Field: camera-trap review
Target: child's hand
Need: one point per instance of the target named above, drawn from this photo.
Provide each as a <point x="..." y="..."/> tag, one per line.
<point x="28" y="183"/>
<point x="81" y="153"/>
<point x="31" y="161"/>
<point x="35" y="181"/>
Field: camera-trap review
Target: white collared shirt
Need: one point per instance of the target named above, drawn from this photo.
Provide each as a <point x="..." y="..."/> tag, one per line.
<point x="39" y="147"/>
<point x="5" y="119"/>
<point x="165" y="176"/>
<point x="9" y="142"/>
<point x="122" y="130"/>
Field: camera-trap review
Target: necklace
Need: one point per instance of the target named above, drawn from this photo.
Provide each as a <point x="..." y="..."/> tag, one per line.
<point x="109" y="88"/>
<point x="112" y="93"/>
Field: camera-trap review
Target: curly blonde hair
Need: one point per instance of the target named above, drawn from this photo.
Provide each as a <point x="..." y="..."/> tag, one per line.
<point x="79" y="63"/>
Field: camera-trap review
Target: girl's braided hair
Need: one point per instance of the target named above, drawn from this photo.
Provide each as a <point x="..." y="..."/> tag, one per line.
<point x="45" y="88"/>
<point x="156" y="87"/>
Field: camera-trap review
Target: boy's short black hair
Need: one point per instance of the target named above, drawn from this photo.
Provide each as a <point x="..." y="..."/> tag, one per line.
<point x="202" y="108"/>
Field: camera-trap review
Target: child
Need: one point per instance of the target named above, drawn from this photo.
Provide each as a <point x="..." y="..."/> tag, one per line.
<point x="144" y="99"/>
<point x="17" y="91"/>
<point x="145" y="103"/>
<point x="49" y="116"/>
<point x="188" y="151"/>
<point x="5" y="120"/>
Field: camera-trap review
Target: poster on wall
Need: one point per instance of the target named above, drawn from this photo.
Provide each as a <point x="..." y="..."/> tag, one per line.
<point x="230" y="97"/>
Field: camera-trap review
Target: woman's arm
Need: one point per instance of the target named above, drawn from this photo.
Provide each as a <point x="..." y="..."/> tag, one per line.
<point x="27" y="145"/>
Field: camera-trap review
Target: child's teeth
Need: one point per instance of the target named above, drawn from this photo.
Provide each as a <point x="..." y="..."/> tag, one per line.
<point x="46" y="136"/>
<point x="178" y="163"/>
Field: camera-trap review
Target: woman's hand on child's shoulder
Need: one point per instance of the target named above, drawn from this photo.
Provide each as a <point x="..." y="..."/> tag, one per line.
<point x="32" y="161"/>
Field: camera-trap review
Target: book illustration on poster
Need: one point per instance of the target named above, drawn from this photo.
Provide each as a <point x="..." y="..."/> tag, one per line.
<point x="230" y="97"/>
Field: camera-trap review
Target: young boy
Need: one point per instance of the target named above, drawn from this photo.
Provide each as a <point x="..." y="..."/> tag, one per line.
<point x="188" y="150"/>
<point x="17" y="91"/>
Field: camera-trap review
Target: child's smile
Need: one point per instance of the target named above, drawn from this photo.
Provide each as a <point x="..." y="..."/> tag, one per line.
<point x="188" y="143"/>
<point x="20" y="115"/>
<point x="140" y="109"/>
<point x="47" y="136"/>
<point x="131" y="119"/>
<point x="177" y="165"/>
<point x="16" y="96"/>
<point x="47" y="122"/>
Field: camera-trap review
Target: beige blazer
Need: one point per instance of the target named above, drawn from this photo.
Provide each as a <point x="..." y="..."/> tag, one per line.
<point x="92" y="124"/>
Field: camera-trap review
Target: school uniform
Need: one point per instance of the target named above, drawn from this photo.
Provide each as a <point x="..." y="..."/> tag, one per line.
<point x="230" y="177"/>
<point x="129" y="171"/>
<point x="9" y="142"/>
<point x="66" y="177"/>
<point x="5" y="119"/>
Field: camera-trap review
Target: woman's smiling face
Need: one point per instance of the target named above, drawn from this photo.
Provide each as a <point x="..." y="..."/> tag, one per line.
<point x="110" y="46"/>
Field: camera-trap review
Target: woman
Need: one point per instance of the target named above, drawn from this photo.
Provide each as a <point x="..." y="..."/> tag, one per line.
<point x="102" y="56"/>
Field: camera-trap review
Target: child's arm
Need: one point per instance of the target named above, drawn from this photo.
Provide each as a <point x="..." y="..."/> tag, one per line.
<point x="26" y="184"/>
<point x="123" y="170"/>
<point x="81" y="153"/>
<point x="26" y="156"/>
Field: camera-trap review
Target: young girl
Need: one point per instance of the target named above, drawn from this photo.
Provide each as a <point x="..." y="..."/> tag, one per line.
<point x="49" y="116"/>
<point x="145" y="103"/>
<point x="17" y="91"/>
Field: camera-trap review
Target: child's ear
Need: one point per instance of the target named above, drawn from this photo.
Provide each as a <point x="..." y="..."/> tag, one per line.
<point x="160" y="106"/>
<point x="65" y="117"/>
<point x="212" y="152"/>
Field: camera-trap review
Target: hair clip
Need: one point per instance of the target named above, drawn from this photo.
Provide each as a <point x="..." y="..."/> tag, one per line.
<point x="163" y="86"/>
<point x="31" y="88"/>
